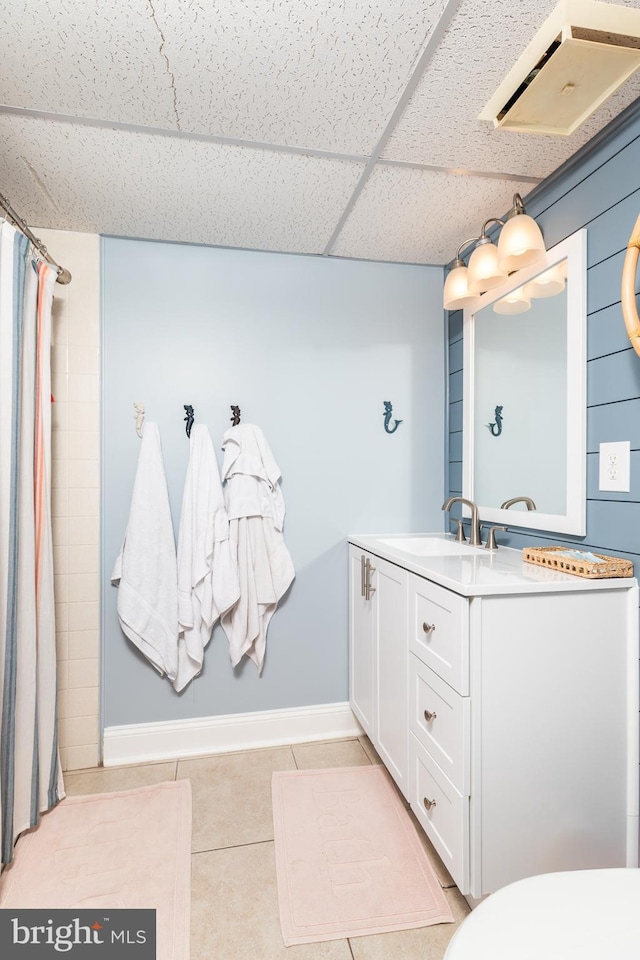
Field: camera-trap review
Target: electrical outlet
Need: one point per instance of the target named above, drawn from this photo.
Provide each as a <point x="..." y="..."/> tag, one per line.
<point x="615" y="466"/>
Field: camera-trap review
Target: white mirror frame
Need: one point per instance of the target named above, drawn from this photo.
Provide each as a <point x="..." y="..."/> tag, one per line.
<point x="574" y="249"/>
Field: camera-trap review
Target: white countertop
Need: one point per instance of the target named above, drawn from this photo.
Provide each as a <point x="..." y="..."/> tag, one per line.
<point x="475" y="571"/>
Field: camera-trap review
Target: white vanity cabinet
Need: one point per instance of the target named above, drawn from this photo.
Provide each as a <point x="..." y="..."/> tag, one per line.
<point x="522" y="712"/>
<point x="378" y="598"/>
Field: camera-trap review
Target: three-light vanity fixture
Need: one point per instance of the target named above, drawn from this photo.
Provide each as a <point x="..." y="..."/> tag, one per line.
<point x="520" y="244"/>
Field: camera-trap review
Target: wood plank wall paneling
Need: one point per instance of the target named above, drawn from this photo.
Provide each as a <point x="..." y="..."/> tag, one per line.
<point x="455" y="386"/>
<point x="455" y="446"/>
<point x="594" y="493"/>
<point x="601" y="194"/>
<point x="606" y="331"/>
<point x="613" y="378"/>
<point x="621" y="423"/>
<point x="593" y="196"/>
<point x="455" y="357"/>
<point x="455" y="416"/>
<point x="614" y="228"/>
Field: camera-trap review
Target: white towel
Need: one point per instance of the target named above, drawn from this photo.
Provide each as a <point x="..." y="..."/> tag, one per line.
<point x="249" y="463"/>
<point x="207" y="573"/>
<point x="145" y="571"/>
<point x="255" y="506"/>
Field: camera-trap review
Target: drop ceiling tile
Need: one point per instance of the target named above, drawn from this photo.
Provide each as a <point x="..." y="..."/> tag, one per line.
<point x="439" y="125"/>
<point x="420" y="216"/>
<point x="86" y="58"/>
<point x="97" y="180"/>
<point x="321" y="75"/>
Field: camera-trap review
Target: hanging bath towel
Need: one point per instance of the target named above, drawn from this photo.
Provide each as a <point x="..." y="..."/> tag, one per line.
<point x="207" y="572"/>
<point x="145" y="571"/>
<point x="255" y="507"/>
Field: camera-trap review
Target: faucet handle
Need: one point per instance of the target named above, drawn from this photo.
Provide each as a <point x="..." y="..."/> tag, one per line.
<point x="491" y="538"/>
<point x="460" y="537"/>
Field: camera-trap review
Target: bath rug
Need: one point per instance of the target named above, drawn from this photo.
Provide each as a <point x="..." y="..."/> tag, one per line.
<point x="112" y="850"/>
<point x="348" y="859"/>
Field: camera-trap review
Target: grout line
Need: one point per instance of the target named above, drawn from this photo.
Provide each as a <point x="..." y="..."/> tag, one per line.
<point x="350" y="949"/>
<point x="232" y="846"/>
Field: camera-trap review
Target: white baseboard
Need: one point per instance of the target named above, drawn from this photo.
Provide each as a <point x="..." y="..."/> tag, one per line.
<point x="175" y="739"/>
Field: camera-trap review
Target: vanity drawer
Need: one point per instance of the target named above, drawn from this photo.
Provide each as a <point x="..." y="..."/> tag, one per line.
<point x="442" y="812"/>
<point x="439" y="631"/>
<point x="439" y="718"/>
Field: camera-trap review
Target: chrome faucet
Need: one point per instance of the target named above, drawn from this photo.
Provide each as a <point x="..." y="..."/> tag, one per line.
<point x="509" y="503"/>
<point x="475" y="540"/>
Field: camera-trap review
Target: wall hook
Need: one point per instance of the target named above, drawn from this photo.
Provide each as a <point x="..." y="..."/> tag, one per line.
<point x="235" y="419"/>
<point x="190" y="417"/>
<point x="138" y="416"/>
<point x="497" y="424"/>
<point x="388" y="410"/>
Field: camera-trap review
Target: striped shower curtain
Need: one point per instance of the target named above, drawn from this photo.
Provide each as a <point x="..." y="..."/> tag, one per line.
<point x="30" y="774"/>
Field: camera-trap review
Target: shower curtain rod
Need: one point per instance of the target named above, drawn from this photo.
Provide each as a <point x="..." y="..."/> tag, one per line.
<point x="63" y="274"/>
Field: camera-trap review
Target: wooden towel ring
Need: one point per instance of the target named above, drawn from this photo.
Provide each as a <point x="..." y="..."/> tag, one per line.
<point x="628" y="293"/>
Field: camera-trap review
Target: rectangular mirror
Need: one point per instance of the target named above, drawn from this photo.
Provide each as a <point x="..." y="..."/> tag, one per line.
<point x="524" y="402"/>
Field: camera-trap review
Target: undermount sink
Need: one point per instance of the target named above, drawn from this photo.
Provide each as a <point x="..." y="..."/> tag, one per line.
<point x="430" y="546"/>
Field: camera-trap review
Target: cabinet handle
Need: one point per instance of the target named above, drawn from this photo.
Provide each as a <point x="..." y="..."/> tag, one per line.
<point x="429" y="716"/>
<point x="428" y="803"/>
<point x="362" y="576"/>
<point x="368" y="570"/>
<point x="428" y="627"/>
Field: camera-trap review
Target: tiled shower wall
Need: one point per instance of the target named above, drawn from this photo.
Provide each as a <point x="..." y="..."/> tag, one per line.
<point x="75" y="360"/>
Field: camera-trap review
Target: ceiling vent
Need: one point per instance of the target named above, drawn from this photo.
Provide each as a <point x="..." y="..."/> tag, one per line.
<point x="584" y="51"/>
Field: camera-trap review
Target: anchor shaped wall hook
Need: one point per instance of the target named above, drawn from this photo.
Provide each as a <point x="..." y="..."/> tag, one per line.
<point x="388" y="410"/>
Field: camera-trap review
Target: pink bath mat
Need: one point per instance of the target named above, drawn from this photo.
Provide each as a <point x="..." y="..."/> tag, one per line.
<point x="112" y="850"/>
<point x="348" y="859"/>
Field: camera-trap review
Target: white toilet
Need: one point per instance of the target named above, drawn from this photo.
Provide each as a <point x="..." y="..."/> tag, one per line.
<point x="577" y="915"/>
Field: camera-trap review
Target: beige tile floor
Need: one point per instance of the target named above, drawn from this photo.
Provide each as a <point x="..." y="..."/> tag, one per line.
<point x="234" y="905"/>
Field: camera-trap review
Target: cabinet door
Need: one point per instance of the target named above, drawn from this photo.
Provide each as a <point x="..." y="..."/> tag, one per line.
<point x="361" y="644"/>
<point x="390" y="624"/>
<point x="442" y="812"/>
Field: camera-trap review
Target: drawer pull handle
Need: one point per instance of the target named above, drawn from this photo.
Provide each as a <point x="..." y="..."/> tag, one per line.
<point x="429" y="716"/>
<point x="428" y="627"/>
<point x="428" y="803"/>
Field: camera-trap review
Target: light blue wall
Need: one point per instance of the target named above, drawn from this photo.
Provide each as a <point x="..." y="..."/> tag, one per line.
<point x="309" y="348"/>
<point x="602" y="194"/>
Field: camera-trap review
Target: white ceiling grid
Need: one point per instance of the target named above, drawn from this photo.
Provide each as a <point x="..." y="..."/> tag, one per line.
<point x="133" y="184"/>
<point x="347" y="127"/>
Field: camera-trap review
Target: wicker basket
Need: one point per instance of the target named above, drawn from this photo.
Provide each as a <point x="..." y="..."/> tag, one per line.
<point x="605" y="567"/>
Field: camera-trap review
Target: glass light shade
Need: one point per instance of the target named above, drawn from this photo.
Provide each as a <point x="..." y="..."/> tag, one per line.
<point x="549" y="283"/>
<point x="484" y="270"/>
<point x="520" y="243"/>
<point x="514" y="302"/>
<point x="456" y="290"/>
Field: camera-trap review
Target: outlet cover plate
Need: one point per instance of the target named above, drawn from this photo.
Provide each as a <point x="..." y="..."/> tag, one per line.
<point x="615" y="466"/>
